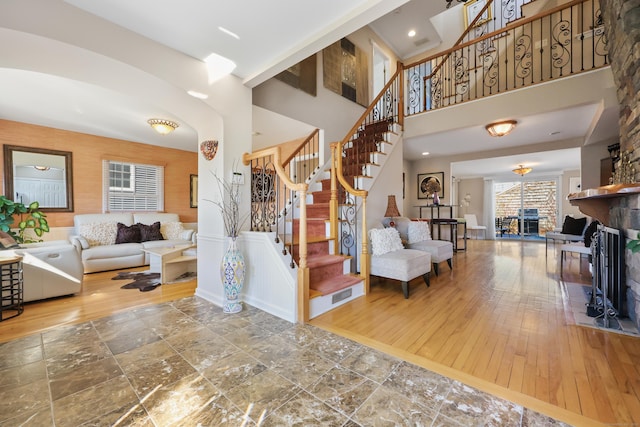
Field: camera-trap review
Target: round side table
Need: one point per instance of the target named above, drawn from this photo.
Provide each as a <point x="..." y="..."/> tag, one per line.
<point x="11" y="290"/>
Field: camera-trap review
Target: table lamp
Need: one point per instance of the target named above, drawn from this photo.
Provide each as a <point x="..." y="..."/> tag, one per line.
<point x="392" y="210"/>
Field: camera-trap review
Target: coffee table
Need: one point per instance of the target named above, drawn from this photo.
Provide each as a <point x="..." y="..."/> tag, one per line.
<point x="171" y="262"/>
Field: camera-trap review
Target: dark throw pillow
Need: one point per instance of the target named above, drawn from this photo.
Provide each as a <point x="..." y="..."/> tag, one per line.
<point x="128" y="234"/>
<point x="573" y="226"/>
<point x="588" y="234"/>
<point x="150" y="232"/>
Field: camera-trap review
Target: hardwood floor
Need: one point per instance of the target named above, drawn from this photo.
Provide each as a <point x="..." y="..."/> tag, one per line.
<point x="498" y="322"/>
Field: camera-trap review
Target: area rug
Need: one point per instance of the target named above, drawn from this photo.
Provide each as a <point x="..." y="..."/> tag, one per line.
<point x="147" y="281"/>
<point x="576" y="298"/>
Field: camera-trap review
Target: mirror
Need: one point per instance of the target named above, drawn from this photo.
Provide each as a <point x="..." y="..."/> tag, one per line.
<point x="38" y="174"/>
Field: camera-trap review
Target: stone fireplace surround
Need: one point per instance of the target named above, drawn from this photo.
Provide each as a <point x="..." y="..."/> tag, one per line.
<point x="618" y="206"/>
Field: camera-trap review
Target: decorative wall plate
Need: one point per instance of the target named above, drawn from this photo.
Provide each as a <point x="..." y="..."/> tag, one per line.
<point x="209" y="148"/>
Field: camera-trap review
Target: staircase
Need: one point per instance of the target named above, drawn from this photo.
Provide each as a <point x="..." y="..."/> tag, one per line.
<point x="331" y="281"/>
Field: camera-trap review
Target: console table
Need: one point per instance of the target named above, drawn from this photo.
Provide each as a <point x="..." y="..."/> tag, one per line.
<point x="452" y="223"/>
<point x="11" y="290"/>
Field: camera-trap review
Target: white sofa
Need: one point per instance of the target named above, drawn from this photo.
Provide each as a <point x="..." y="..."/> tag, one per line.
<point x="95" y="239"/>
<point x="49" y="269"/>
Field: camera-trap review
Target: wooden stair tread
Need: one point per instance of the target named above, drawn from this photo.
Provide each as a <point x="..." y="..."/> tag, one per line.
<point x="334" y="284"/>
<point x="322" y="260"/>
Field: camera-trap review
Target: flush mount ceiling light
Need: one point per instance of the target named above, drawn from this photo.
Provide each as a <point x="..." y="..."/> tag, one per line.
<point x="163" y="126"/>
<point x="521" y="170"/>
<point x="41" y="168"/>
<point x="501" y="128"/>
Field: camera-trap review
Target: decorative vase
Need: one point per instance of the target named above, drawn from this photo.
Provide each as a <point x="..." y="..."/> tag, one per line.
<point x="232" y="270"/>
<point x="436" y="199"/>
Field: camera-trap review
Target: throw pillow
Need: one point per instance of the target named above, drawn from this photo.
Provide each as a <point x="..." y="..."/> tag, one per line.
<point x="384" y="240"/>
<point x="171" y="230"/>
<point x="150" y="232"/>
<point x="128" y="234"/>
<point x="573" y="226"/>
<point x="7" y="242"/>
<point x="419" y="231"/>
<point x="99" y="233"/>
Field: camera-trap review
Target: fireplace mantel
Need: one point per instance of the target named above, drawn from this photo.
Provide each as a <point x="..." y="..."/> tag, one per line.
<point x="596" y="202"/>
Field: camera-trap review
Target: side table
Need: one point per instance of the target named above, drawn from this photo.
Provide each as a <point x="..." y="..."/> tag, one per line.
<point x="11" y="290"/>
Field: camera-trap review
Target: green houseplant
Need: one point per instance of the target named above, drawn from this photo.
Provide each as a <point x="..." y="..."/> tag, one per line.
<point x="29" y="217"/>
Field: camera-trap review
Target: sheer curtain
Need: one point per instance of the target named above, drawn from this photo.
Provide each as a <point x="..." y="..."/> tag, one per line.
<point x="489" y="209"/>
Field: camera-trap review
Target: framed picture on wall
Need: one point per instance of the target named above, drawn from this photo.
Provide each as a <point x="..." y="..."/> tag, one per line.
<point x="424" y="182"/>
<point x="193" y="191"/>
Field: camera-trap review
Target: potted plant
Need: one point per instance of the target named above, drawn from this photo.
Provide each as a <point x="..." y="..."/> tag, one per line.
<point x="29" y="218"/>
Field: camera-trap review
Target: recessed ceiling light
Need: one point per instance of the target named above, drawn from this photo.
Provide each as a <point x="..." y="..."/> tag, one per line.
<point x="230" y="33"/>
<point x="426" y="153"/>
<point x="411" y="33"/>
<point x="218" y="66"/>
<point x="198" y="95"/>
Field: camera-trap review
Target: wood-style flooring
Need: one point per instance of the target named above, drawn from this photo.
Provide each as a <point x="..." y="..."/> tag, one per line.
<point x="497" y="322"/>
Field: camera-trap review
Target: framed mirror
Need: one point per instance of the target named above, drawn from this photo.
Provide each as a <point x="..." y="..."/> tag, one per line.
<point x="38" y="174"/>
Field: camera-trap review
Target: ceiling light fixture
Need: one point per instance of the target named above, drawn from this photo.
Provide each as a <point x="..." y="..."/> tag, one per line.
<point x="411" y="33"/>
<point x="41" y="168"/>
<point x="426" y="153"/>
<point x="163" y="126"/>
<point x="521" y="170"/>
<point x="501" y="128"/>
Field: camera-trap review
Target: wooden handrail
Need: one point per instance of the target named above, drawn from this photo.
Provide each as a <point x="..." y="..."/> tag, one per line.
<point x="511" y="26"/>
<point x="275" y="152"/>
<point x="299" y="147"/>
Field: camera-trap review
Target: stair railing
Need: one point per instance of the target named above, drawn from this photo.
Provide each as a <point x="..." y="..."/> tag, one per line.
<point x="562" y="41"/>
<point x="305" y="159"/>
<point x="272" y="195"/>
<point x="349" y="166"/>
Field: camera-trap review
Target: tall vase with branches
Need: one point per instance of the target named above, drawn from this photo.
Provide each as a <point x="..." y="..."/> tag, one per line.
<point x="232" y="266"/>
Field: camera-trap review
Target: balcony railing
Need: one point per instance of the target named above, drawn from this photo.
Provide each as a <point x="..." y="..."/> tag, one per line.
<point x="560" y="42"/>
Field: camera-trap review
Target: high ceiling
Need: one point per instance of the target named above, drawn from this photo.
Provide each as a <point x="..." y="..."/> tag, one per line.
<point x="270" y="38"/>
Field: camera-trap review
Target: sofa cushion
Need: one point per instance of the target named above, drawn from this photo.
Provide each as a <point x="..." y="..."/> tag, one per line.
<point x="128" y="234"/>
<point x="418" y="231"/>
<point x="150" y="232"/>
<point x="6" y="241"/>
<point x="99" y="233"/>
<point x="112" y="251"/>
<point x="384" y="240"/>
<point x="151" y="217"/>
<point x="172" y="230"/>
<point x="165" y="243"/>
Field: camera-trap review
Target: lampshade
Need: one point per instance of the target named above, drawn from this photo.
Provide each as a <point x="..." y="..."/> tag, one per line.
<point x="392" y="208"/>
<point x="163" y="126"/>
<point x="521" y="170"/>
<point x="501" y="128"/>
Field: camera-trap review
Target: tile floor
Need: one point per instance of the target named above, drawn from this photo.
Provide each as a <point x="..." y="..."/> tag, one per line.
<point x="186" y="363"/>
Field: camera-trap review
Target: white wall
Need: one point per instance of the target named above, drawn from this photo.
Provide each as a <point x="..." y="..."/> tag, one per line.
<point x="328" y="110"/>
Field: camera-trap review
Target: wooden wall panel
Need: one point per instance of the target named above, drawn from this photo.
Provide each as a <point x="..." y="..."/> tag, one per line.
<point x="88" y="153"/>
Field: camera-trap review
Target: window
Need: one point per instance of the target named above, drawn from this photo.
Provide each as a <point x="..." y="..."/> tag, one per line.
<point x="132" y="187"/>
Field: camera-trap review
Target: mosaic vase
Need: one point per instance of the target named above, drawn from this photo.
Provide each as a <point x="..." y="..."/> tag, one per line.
<point x="436" y="199"/>
<point x="232" y="271"/>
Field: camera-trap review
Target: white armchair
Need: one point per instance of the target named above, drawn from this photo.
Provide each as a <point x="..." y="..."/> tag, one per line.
<point x="472" y="224"/>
